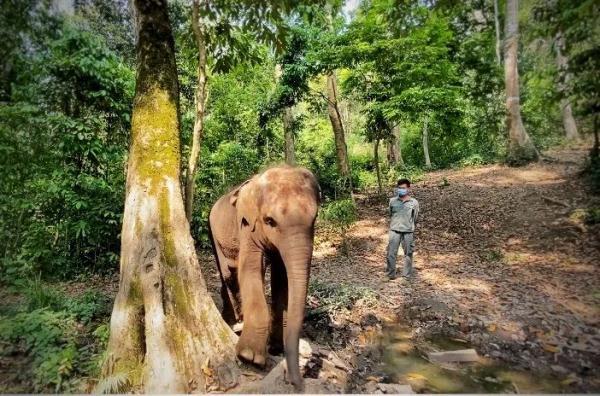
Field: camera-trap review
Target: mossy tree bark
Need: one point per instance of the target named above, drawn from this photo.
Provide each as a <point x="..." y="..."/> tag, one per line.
<point x="166" y="335"/>
<point x="200" y="98"/>
<point x="341" y="150"/>
<point x="520" y="147"/>
<point x="569" y="123"/>
<point x="288" y="131"/>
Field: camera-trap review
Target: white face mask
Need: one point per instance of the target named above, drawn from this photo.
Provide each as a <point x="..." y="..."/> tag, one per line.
<point x="402" y="192"/>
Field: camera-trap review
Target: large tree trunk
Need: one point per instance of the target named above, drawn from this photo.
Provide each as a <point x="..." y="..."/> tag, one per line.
<point x="166" y="335"/>
<point x="200" y="98"/>
<point x="394" y="153"/>
<point x="335" y="117"/>
<point x="288" y="131"/>
<point x="520" y="147"/>
<point x="426" y="142"/>
<point x="569" y="124"/>
<point x="497" y="26"/>
<point x="377" y="168"/>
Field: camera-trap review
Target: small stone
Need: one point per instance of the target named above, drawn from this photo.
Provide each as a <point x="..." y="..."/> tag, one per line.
<point x="370" y="387"/>
<point x="396" y="389"/>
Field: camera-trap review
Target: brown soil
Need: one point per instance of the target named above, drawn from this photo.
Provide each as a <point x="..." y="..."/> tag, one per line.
<point x="504" y="262"/>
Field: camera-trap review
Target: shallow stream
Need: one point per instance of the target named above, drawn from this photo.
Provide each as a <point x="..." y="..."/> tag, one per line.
<point x="405" y="362"/>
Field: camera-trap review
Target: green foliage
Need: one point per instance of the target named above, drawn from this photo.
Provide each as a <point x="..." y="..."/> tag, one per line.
<point x="592" y="172"/>
<point x="340" y="214"/>
<point x="592" y="216"/>
<point x="48" y="338"/>
<point x="336" y="296"/>
<point x="63" y="141"/>
<point x="48" y="331"/>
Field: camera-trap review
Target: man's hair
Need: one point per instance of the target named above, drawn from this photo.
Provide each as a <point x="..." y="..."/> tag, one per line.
<point x="403" y="181"/>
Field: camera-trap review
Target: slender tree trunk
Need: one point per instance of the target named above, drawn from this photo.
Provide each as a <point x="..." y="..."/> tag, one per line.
<point x="398" y="133"/>
<point x="288" y="131"/>
<point x="569" y="123"/>
<point x="520" y="147"/>
<point x="497" y="26"/>
<point x="166" y="335"/>
<point x="200" y="98"/>
<point x="335" y="117"/>
<point x="394" y="151"/>
<point x="377" y="168"/>
<point x="426" y="142"/>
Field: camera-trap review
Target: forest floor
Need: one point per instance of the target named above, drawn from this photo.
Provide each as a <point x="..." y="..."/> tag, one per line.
<point x="505" y="264"/>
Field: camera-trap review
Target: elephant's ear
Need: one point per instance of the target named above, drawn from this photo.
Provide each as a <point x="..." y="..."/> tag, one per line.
<point x="236" y="193"/>
<point x="246" y="205"/>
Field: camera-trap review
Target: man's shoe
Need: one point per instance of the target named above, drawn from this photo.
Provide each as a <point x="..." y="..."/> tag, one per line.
<point x="392" y="278"/>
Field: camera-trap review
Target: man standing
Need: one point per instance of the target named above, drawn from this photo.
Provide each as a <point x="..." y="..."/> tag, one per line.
<point x="404" y="211"/>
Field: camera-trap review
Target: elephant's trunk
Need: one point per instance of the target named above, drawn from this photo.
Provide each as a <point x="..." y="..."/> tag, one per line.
<point x="297" y="258"/>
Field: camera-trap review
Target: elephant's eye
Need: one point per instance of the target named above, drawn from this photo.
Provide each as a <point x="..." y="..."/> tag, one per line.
<point x="270" y="221"/>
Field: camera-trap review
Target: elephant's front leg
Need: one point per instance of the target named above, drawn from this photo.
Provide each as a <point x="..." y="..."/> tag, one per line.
<point x="252" y="345"/>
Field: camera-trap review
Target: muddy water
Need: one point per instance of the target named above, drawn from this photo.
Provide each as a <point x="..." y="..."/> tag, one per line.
<point x="405" y="362"/>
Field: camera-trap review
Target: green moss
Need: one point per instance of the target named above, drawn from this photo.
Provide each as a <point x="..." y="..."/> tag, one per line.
<point x="168" y="248"/>
<point x="135" y="292"/>
<point x="155" y="133"/>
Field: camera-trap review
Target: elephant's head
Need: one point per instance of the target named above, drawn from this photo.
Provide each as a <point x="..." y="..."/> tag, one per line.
<point x="278" y="208"/>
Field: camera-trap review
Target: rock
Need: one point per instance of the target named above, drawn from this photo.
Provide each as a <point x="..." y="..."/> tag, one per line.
<point x="237" y="328"/>
<point x="305" y="349"/>
<point x="559" y="369"/>
<point x="337" y="362"/>
<point x="461" y="355"/>
<point x="370" y="387"/>
<point x="395" y="389"/>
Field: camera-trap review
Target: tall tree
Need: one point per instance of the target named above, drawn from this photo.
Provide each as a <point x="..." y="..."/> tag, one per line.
<point x="288" y="131"/>
<point x="497" y="31"/>
<point x="341" y="150"/>
<point x="394" y="153"/>
<point x="335" y="116"/>
<point x="166" y="335"/>
<point x="520" y="147"/>
<point x="220" y="34"/>
<point x="426" y="142"/>
<point x="200" y="104"/>
<point x="565" y="104"/>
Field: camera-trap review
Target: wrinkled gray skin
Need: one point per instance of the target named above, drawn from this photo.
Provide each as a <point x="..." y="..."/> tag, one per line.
<point x="268" y="220"/>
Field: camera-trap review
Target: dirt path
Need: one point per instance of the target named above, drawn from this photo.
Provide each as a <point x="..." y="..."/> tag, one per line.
<point x="504" y="261"/>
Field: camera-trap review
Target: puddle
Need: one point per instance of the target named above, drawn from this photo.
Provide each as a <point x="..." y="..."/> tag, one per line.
<point x="404" y="362"/>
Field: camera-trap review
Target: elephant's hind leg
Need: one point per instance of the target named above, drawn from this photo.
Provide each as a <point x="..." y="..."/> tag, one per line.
<point x="279" y="301"/>
<point x="230" y="291"/>
<point x="230" y="294"/>
<point x="252" y="344"/>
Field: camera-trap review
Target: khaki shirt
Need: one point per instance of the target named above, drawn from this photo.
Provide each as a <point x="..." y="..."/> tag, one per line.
<point x="403" y="215"/>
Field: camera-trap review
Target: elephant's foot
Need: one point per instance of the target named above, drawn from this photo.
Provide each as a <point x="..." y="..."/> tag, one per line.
<point x="251" y="349"/>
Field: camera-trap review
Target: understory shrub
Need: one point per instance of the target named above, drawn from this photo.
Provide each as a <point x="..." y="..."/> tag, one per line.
<point x="59" y="336"/>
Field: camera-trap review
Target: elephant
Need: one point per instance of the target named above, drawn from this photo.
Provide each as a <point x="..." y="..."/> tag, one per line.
<point x="267" y="221"/>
